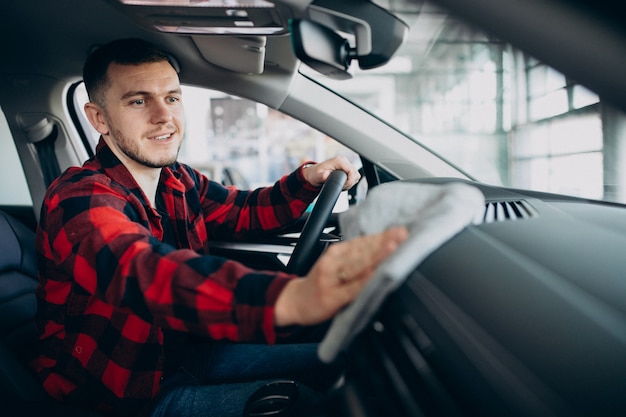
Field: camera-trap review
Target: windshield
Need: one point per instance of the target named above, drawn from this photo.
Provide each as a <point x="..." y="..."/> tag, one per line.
<point x="490" y="109"/>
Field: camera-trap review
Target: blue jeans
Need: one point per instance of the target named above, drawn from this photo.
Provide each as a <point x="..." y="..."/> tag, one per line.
<point x="217" y="379"/>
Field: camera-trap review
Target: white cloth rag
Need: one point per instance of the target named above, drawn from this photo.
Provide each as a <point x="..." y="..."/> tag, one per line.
<point x="432" y="214"/>
<point x="435" y="209"/>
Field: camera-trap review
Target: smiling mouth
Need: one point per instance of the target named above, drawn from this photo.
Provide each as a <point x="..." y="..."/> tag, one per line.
<point x="162" y="137"/>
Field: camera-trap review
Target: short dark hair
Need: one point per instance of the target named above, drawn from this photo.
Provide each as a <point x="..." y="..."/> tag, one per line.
<point x="129" y="51"/>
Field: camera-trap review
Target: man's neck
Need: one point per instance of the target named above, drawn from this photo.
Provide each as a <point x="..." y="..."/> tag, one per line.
<point x="148" y="180"/>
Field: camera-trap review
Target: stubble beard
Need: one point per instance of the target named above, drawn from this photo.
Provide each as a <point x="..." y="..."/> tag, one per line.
<point x="132" y="150"/>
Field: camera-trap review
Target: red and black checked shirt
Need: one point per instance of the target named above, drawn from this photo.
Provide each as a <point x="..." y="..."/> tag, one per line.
<point x="109" y="286"/>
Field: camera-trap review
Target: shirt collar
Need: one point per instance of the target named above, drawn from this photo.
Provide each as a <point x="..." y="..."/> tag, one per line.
<point x="117" y="171"/>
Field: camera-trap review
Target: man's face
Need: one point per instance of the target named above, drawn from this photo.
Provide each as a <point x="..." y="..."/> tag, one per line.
<point x="143" y="116"/>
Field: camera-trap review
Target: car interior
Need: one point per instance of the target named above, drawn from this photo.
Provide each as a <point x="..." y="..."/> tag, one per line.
<point x="522" y="313"/>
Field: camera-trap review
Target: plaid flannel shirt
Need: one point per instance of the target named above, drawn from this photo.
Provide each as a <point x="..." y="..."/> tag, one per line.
<point x="109" y="286"/>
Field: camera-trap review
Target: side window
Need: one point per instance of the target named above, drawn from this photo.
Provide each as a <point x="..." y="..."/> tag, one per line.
<point x="13" y="186"/>
<point x="240" y="142"/>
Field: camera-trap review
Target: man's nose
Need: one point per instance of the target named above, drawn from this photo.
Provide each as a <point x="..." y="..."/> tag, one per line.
<point x="161" y="112"/>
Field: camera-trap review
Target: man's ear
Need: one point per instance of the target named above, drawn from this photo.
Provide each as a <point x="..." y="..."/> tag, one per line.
<point x="95" y="114"/>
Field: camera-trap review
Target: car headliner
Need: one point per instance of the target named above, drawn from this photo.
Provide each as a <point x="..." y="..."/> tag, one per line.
<point x="588" y="43"/>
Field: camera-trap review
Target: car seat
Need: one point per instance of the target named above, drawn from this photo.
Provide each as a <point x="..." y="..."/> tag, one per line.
<point x="18" y="338"/>
<point x="20" y="392"/>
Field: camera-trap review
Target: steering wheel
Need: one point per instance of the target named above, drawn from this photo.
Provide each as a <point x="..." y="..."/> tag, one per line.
<point x="305" y="251"/>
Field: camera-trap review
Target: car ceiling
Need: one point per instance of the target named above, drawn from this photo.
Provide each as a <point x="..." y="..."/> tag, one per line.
<point x="55" y="36"/>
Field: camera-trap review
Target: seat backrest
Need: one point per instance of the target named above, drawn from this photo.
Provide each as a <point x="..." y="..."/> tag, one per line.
<point x="18" y="337"/>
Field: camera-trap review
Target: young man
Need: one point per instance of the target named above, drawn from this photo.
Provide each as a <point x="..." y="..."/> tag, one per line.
<point x="131" y="304"/>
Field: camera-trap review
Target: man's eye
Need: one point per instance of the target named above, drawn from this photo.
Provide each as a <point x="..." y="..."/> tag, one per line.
<point x="173" y="99"/>
<point x="139" y="101"/>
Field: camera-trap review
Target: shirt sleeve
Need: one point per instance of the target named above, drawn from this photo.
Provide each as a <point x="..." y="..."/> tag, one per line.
<point x="234" y="214"/>
<point x="93" y="233"/>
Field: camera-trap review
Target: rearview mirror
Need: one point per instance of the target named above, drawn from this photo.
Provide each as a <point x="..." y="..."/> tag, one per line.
<point x="376" y="34"/>
<point x="321" y="48"/>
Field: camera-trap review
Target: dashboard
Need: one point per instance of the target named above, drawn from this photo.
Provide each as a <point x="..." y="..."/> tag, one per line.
<point x="517" y="316"/>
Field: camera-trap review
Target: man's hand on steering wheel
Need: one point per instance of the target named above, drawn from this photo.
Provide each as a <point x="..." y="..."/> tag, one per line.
<point x="334" y="175"/>
<point x="317" y="174"/>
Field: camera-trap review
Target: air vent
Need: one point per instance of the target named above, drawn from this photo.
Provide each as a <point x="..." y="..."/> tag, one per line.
<point x="501" y="211"/>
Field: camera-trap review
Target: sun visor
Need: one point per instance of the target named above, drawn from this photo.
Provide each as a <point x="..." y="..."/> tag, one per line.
<point x="244" y="55"/>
